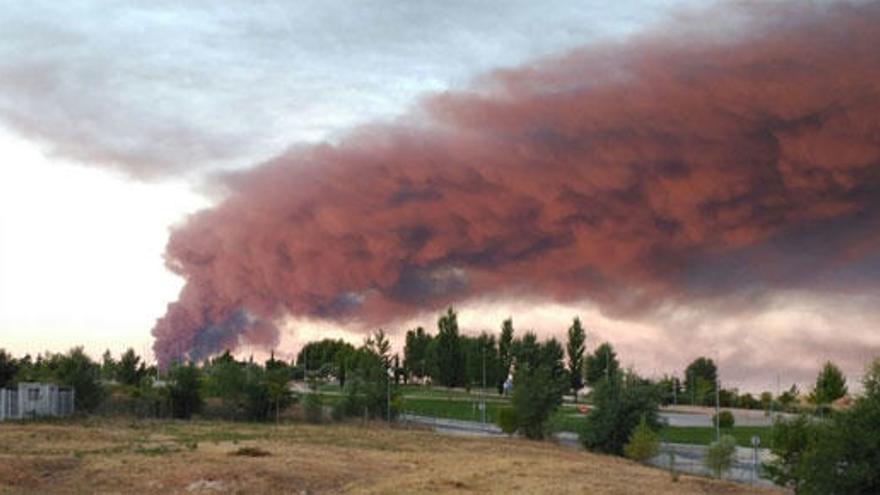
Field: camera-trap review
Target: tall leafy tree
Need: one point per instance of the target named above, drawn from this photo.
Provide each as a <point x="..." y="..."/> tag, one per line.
<point x="601" y="365"/>
<point x="481" y="355"/>
<point x="701" y="378"/>
<point x="871" y="380"/>
<point x="367" y="387"/>
<point x="619" y="405"/>
<point x="226" y="380"/>
<point x="77" y="370"/>
<point x="130" y="370"/>
<point x="415" y="352"/>
<point x="539" y="381"/>
<point x="108" y="366"/>
<point x="830" y="384"/>
<point x="324" y="357"/>
<point x="379" y="344"/>
<point x="449" y="355"/>
<point x="575" y="348"/>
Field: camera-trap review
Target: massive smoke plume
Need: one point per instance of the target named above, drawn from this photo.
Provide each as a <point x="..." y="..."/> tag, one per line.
<point x="673" y="167"/>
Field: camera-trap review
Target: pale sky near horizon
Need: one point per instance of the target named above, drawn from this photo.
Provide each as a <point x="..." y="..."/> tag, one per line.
<point x="113" y="118"/>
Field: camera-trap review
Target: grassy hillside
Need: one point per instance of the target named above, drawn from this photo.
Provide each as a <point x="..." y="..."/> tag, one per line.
<point x="180" y="457"/>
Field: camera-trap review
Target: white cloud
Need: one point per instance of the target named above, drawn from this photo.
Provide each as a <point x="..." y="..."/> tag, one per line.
<point x="166" y="87"/>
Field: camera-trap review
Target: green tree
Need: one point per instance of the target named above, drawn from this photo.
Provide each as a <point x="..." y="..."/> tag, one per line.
<point x="258" y="400"/>
<point x="481" y="354"/>
<point x="380" y="345"/>
<point x="276" y="384"/>
<point x="643" y="443"/>
<point x="505" y="352"/>
<point x="324" y="357"/>
<point x="791" y="439"/>
<point x="601" y="365"/>
<point x="130" y="370"/>
<point x="538" y="384"/>
<point x="184" y="390"/>
<point x="449" y="356"/>
<point x="226" y="379"/>
<point x="837" y="455"/>
<point x="846" y="454"/>
<point x="108" y="366"/>
<point x="8" y="368"/>
<point x="76" y="370"/>
<point x="367" y="388"/>
<point x="871" y="379"/>
<point x="830" y="385"/>
<point x="575" y="348"/>
<point x="789" y="398"/>
<point x="701" y="377"/>
<point x="618" y="407"/>
<point x="415" y="352"/>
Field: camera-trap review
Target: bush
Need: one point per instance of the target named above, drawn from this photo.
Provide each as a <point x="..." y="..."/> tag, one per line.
<point x="312" y="407"/>
<point x="726" y="419"/>
<point x="643" y="444"/>
<point x="720" y="456"/>
<point x="507" y="420"/>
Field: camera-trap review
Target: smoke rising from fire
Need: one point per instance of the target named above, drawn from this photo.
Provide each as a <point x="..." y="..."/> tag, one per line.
<point x="669" y="168"/>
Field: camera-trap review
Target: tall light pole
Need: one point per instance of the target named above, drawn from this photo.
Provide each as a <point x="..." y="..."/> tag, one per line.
<point x="483" y="401"/>
<point x="388" y="404"/>
<point x="717" y="410"/>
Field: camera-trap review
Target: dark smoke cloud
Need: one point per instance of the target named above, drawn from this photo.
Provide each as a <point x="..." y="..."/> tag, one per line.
<point x="634" y="175"/>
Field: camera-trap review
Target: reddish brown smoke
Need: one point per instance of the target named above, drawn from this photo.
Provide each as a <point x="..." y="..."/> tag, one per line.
<point x="620" y="174"/>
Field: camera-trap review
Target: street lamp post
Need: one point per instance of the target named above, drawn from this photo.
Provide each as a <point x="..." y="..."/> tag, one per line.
<point x="388" y="404"/>
<point x="483" y="400"/>
<point x="717" y="410"/>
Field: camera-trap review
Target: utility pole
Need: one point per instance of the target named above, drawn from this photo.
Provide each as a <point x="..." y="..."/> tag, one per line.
<point x="674" y="391"/>
<point x="717" y="408"/>
<point x="388" y="404"/>
<point x="483" y="399"/>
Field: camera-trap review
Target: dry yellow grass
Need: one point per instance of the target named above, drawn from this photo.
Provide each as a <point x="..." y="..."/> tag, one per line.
<point x="95" y="456"/>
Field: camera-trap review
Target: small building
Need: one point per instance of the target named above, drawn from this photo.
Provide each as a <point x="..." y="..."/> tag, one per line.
<point x="31" y="400"/>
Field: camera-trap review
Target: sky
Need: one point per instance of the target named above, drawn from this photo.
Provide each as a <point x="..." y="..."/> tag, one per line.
<point x="688" y="179"/>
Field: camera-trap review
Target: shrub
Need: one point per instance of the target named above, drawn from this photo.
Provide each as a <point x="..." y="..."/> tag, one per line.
<point x="725" y="417"/>
<point x="313" y="408"/>
<point x="643" y="443"/>
<point x="720" y="456"/>
<point x="337" y="413"/>
<point x="507" y="420"/>
<point x="250" y="452"/>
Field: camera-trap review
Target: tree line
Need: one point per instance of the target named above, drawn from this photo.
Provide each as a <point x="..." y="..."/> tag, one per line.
<point x="817" y="453"/>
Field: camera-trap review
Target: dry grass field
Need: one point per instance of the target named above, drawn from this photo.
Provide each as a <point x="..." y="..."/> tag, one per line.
<point x="99" y="456"/>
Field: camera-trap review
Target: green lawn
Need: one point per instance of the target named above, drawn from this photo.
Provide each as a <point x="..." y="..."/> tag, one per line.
<point x="463" y="409"/>
<point x="458" y="404"/>
<point x="706" y="435"/>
